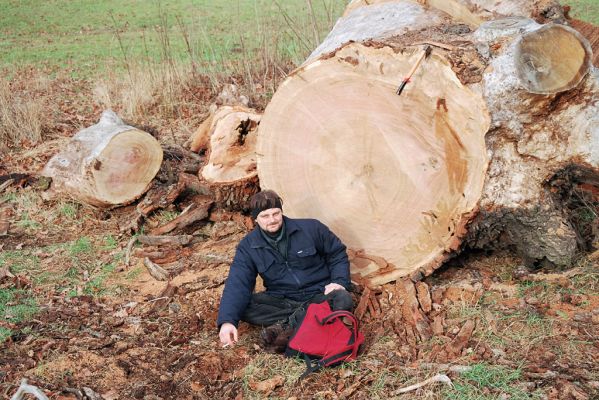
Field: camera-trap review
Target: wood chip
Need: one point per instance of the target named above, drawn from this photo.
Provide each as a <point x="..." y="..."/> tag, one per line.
<point x="454" y="349"/>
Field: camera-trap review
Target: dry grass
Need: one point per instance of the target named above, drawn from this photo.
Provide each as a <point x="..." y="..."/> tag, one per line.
<point x="145" y="90"/>
<point x="21" y="117"/>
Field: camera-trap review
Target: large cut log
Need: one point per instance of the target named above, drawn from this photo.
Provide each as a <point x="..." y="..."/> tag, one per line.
<point x="228" y="137"/>
<point x="463" y="152"/>
<point x="106" y="164"/>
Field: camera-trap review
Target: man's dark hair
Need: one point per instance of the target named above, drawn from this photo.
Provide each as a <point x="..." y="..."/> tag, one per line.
<point x="263" y="201"/>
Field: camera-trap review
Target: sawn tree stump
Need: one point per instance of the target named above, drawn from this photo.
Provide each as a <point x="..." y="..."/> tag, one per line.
<point x="466" y="154"/>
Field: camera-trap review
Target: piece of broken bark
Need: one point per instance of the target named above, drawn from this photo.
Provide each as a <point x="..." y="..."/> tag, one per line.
<point x="454" y="349"/>
<point x="362" y="304"/>
<point x="410" y="309"/>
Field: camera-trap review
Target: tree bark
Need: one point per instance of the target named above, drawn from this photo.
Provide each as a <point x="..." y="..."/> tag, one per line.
<point x="107" y="164"/>
<point x="465" y="153"/>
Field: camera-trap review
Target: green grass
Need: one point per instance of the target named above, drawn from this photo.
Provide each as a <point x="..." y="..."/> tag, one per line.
<point x="81" y="246"/>
<point x="69" y="210"/>
<point x="586" y="10"/>
<point x="5" y="333"/>
<point x="97" y="36"/>
<point x="19" y="260"/>
<point x="16" y="305"/>
<point x="484" y="382"/>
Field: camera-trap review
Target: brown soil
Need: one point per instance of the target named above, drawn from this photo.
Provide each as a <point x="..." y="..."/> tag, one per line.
<point x="148" y="339"/>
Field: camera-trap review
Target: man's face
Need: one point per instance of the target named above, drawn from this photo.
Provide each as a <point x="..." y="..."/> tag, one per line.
<point x="270" y="220"/>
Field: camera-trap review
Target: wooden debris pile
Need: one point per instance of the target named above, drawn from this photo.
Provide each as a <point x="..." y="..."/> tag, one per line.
<point x="417" y="313"/>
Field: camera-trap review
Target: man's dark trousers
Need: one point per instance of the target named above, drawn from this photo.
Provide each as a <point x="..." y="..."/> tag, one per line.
<point x="266" y="310"/>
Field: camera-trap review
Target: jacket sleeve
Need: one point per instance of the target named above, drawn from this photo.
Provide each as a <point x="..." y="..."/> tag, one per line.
<point x="238" y="288"/>
<point x="335" y="255"/>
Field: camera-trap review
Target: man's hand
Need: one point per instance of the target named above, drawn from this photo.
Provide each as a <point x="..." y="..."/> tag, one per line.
<point x="332" y="286"/>
<point x="227" y="334"/>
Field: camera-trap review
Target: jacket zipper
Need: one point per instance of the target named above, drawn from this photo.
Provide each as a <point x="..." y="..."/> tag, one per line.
<point x="277" y="254"/>
<point x="293" y="274"/>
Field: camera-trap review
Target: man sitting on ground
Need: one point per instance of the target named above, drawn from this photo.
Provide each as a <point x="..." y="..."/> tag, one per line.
<point x="300" y="261"/>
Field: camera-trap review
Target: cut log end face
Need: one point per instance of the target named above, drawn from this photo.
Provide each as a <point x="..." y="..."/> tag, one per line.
<point x="407" y="169"/>
<point x="126" y="166"/>
<point x="552" y="59"/>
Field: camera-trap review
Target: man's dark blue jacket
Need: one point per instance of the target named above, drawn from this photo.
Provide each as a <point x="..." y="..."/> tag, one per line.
<point x="315" y="258"/>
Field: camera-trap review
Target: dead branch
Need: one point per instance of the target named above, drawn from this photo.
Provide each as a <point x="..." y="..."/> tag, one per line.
<point x="554" y="277"/>
<point x="156" y="270"/>
<point x="159" y="197"/>
<point x="188" y="161"/>
<point x="163" y="257"/>
<point x="6" y="184"/>
<point x="457" y="369"/>
<point x="165" y="297"/>
<point x="184" y="219"/>
<point x="180" y="240"/>
<point x="128" y="250"/>
<point x="437" y="378"/>
<point x="214" y="258"/>
<point x="25" y="389"/>
<point x="134" y="225"/>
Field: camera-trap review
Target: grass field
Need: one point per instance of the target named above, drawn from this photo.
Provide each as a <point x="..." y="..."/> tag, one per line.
<point x="89" y="37"/>
<point x="587" y="10"/>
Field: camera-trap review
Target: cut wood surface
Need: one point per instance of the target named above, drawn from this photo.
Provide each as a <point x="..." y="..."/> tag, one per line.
<point x="397" y="176"/>
<point x="552" y="59"/>
<point x="406" y="177"/>
<point x="591" y="32"/>
<point x="107" y="164"/>
<point x="228" y="136"/>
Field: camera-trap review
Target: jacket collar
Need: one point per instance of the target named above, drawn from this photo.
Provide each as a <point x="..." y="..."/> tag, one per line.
<point x="257" y="240"/>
